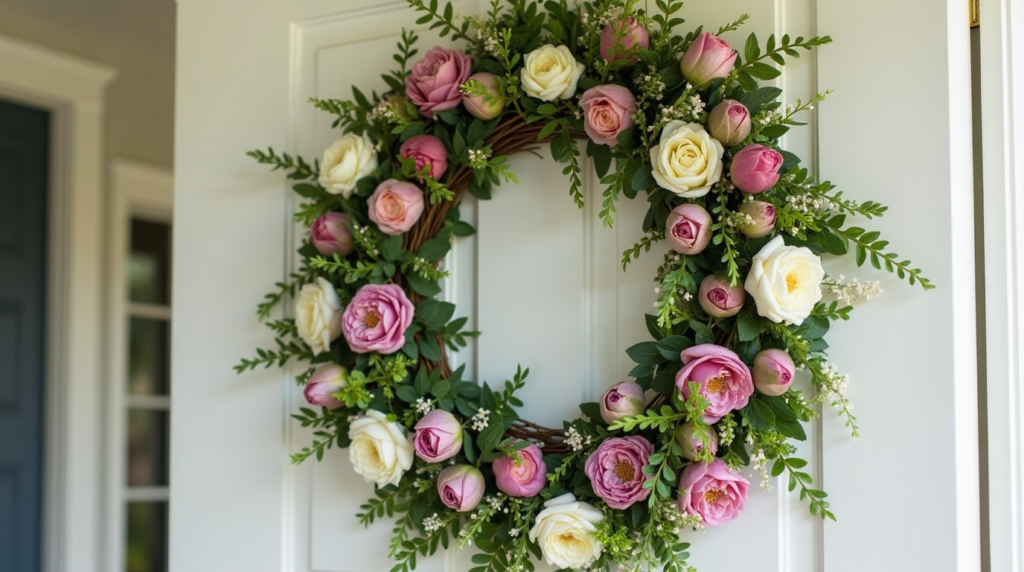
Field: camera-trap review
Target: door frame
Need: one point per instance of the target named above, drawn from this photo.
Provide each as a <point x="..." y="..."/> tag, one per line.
<point x="73" y="91"/>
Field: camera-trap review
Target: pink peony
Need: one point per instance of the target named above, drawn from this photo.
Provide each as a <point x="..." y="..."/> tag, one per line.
<point x="376" y="319"/>
<point x="693" y="438"/>
<point x="729" y="122"/>
<point x="773" y="372"/>
<point x="331" y="234"/>
<point x="763" y="216"/>
<point x="688" y="229"/>
<point x="755" y="168"/>
<point x="326" y="380"/>
<point x="615" y="470"/>
<point x="435" y="82"/>
<point x="622" y="400"/>
<point x="708" y="58"/>
<point x="607" y="111"/>
<point x="713" y="492"/>
<point x="718" y="298"/>
<point x="724" y="380"/>
<point x="438" y="436"/>
<point x="481" y="106"/>
<point x="460" y="487"/>
<point x="395" y="206"/>
<point x="635" y="34"/>
<point x="522" y="477"/>
<point x="426" y="150"/>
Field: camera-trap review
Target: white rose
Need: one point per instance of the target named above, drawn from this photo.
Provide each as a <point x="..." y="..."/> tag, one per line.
<point x="380" y="451"/>
<point x="687" y="161"/>
<point x="785" y="282"/>
<point x="318" y="315"/>
<point x="551" y="73"/>
<point x="346" y="161"/>
<point x="563" y="532"/>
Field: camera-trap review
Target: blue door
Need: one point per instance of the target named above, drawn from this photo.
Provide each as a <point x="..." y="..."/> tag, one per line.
<point x="24" y="151"/>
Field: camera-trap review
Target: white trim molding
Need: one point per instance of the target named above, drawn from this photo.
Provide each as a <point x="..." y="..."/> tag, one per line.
<point x="72" y="90"/>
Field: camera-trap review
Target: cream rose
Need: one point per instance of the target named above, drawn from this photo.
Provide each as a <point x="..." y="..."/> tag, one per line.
<point x="551" y="73"/>
<point x="380" y="451"/>
<point x="318" y="315"/>
<point x="345" y="162"/>
<point x="563" y="532"/>
<point x="687" y="160"/>
<point x="785" y="282"/>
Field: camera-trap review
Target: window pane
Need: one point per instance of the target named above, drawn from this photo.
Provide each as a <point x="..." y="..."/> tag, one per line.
<point x="149" y="356"/>
<point x="149" y="262"/>
<point x="147" y="537"/>
<point x="147" y="448"/>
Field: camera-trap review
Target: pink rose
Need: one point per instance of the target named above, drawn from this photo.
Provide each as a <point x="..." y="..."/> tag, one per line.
<point x="438" y="436"/>
<point x="376" y="319"/>
<point x="729" y="122"/>
<point x="481" y="106"/>
<point x="718" y="298"/>
<point x="773" y="372"/>
<point x="693" y="438"/>
<point x="522" y="477"/>
<point x="688" y="229"/>
<point x="713" y="492"/>
<point x="460" y="487"/>
<point x="724" y="379"/>
<point x="435" y="81"/>
<point x="622" y="400"/>
<point x="331" y="234"/>
<point x="426" y="150"/>
<point x="635" y="34"/>
<point x="763" y="216"/>
<point x="708" y="58"/>
<point x="326" y="380"/>
<point x="395" y="206"/>
<point x="755" y="168"/>
<point x="615" y="470"/>
<point x="607" y="111"/>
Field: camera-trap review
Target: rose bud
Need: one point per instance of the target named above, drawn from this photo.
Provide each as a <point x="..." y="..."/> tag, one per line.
<point x="688" y="229"/>
<point x="460" y="487"/>
<point x="622" y="400"/>
<point x="635" y="34"/>
<point x="398" y="104"/>
<point x="708" y="58"/>
<point x="524" y="476"/>
<point x="729" y="122"/>
<point x="327" y="380"/>
<point x="763" y="215"/>
<point x="481" y="106"/>
<point x="773" y="372"/>
<point x="693" y="438"/>
<point x="438" y="436"/>
<point x="755" y="168"/>
<point x="718" y="298"/>
<point x="426" y="150"/>
<point x="331" y="234"/>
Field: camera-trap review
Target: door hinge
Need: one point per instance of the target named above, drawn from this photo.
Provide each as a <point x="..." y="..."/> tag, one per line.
<point x="974" y="12"/>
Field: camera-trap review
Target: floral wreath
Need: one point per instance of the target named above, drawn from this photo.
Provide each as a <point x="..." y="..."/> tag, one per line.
<point x="739" y="308"/>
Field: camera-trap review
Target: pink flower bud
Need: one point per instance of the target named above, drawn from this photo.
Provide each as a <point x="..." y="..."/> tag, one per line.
<point x="773" y="372"/>
<point x="426" y="150"/>
<point x="693" y="438"/>
<point x="708" y="58"/>
<point x="480" y="106"/>
<point x="763" y="215"/>
<point x="460" y="487"/>
<point x="755" y="168"/>
<point x="438" y="436"/>
<point x="718" y="298"/>
<point x="326" y="380"/>
<point x="729" y="122"/>
<point x="395" y="206"/>
<point x="688" y="229"/>
<point x="635" y="34"/>
<point x="622" y="400"/>
<point x="523" y="477"/>
<point x="332" y="234"/>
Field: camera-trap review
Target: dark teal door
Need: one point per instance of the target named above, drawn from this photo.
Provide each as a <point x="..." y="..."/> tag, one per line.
<point x="24" y="151"/>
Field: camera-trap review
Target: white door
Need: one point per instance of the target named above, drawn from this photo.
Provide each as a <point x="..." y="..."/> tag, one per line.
<point x="905" y="493"/>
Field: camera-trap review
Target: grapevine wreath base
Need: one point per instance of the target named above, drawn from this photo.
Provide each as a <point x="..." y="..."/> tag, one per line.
<point x="743" y="303"/>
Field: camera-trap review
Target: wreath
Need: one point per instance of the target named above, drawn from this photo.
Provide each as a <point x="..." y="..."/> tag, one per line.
<point x="743" y="303"/>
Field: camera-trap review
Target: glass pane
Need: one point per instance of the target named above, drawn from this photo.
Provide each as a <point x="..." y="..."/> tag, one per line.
<point x="149" y="353"/>
<point x="147" y="448"/>
<point x="147" y="537"/>
<point x="149" y="262"/>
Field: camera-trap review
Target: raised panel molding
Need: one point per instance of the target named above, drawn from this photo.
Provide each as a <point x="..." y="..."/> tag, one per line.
<point x="11" y="225"/>
<point x="10" y="334"/>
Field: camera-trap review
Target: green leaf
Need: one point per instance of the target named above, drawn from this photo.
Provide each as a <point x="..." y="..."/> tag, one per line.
<point x="407" y="393"/>
<point x="761" y="70"/>
<point x="752" y="50"/>
<point x="602" y="156"/>
<point x="748" y="325"/>
<point x="759" y="414"/>
<point x="645" y="353"/>
<point x="671" y="346"/>
<point x="701" y="333"/>
<point x="435" y="248"/>
<point x="429" y="348"/>
<point x="759" y="97"/>
<point x="434" y="314"/>
<point x="422" y="286"/>
<point x="643" y="180"/>
<point x="592" y="411"/>
<point x="391" y="248"/>
<point x="489" y="438"/>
